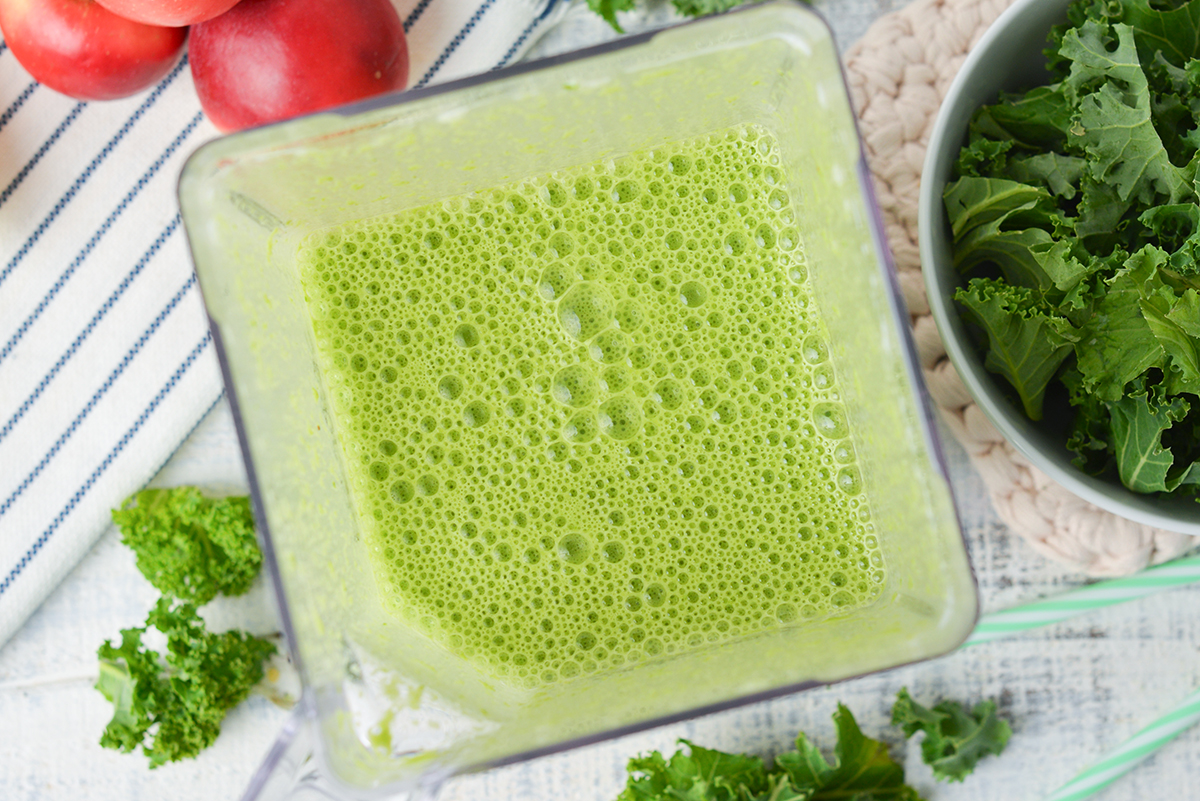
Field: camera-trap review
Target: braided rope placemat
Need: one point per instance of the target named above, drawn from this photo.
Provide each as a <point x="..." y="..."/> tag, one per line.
<point x="898" y="73"/>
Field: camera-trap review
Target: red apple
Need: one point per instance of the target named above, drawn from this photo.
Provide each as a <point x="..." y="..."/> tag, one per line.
<point x="266" y="60"/>
<point x="173" y="13"/>
<point x="82" y="49"/>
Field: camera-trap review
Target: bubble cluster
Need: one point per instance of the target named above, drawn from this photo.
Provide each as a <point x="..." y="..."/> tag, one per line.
<point x="591" y="418"/>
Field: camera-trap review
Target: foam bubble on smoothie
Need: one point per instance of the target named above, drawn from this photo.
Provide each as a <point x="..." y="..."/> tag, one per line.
<point x="592" y="416"/>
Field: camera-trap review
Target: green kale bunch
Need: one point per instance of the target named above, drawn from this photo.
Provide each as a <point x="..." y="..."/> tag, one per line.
<point x="190" y="548"/>
<point x="1076" y="216"/>
<point x="173" y="706"/>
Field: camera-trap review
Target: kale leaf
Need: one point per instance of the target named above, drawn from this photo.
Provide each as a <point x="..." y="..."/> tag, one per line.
<point x="173" y="706"/>
<point x="700" y="8"/>
<point x="1174" y="32"/>
<point x="700" y="775"/>
<point x="862" y="770"/>
<point x="1138" y="422"/>
<point x="956" y="738"/>
<point x="609" y="8"/>
<point x="1038" y="120"/>
<point x="1114" y="125"/>
<point x="689" y="8"/>
<point x="1119" y="344"/>
<point x="189" y="546"/>
<point x="1027" y="343"/>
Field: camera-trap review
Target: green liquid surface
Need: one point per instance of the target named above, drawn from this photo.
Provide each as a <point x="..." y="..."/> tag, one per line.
<point x="590" y="418"/>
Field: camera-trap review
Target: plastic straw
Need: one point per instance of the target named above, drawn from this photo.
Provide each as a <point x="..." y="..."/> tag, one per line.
<point x="997" y="625"/>
<point x="1186" y="714"/>
<point x="1133" y="751"/>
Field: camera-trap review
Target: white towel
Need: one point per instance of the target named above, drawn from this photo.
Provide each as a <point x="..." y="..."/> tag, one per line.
<point x="106" y="361"/>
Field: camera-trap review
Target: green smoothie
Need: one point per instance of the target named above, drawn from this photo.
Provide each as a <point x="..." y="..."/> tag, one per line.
<point x="590" y="418"/>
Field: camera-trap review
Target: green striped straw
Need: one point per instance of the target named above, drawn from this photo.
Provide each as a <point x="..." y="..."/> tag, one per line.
<point x="997" y="625"/>
<point x="1133" y="751"/>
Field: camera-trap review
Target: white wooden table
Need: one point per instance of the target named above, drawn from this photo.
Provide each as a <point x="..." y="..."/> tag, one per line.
<point x="1070" y="691"/>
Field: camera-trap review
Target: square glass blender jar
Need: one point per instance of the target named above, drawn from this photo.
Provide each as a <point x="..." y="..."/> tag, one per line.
<point x="392" y="705"/>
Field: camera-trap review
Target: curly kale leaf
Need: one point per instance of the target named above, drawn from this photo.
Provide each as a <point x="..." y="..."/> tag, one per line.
<point x="1139" y="420"/>
<point x="689" y="8"/>
<point x="1185" y="312"/>
<point x="1177" y="229"/>
<point x="699" y="775"/>
<point x="1118" y="344"/>
<point x="1102" y="222"/>
<point x="189" y="546"/>
<point x="1090" y="437"/>
<point x="956" y="738"/>
<point x="862" y="768"/>
<point x="1115" y="126"/>
<point x="1038" y="120"/>
<point x="1027" y="343"/>
<point x="1001" y="222"/>
<point x="700" y="8"/>
<point x="1171" y="317"/>
<point x="983" y="157"/>
<point x="1174" y="32"/>
<point x="129" y="678"/>
<point x="975" y="203"/>
<point x="609" y="8"/>
<point x="173" y="706"/>
<point x="1059" y="174"/>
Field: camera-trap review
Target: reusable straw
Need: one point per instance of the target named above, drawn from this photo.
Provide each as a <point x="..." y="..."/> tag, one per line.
<point x="1183" y="716"/>
<point x="1133" y="751"/>
<point x="997" y="625"/>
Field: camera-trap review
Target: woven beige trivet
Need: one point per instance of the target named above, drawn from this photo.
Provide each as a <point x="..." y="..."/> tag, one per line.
<point x="898" y="73"/>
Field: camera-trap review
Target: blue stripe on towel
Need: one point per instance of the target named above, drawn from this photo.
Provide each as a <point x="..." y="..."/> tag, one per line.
<point x="41" y="541"/>
<point x="529" y="29"/>
<point x="41" y="151"/>
<point x="15" y="106"/>
<point x="99" y="315"/>
<point x="415" y="14"/>
<point x="455" y="42"/>
<point x="87" y="173"/>
<point x="96" y="237"/>
<point x="98" y="395"/>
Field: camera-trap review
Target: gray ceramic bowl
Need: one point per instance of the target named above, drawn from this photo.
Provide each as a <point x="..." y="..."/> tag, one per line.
<point x="1009" y="58"/>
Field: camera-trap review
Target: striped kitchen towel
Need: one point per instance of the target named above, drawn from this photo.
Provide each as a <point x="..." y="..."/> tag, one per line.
<point x="106" y="361"/>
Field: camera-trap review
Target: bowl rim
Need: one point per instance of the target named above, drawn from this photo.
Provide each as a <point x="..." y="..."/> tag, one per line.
<point x="940" y="283"/>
